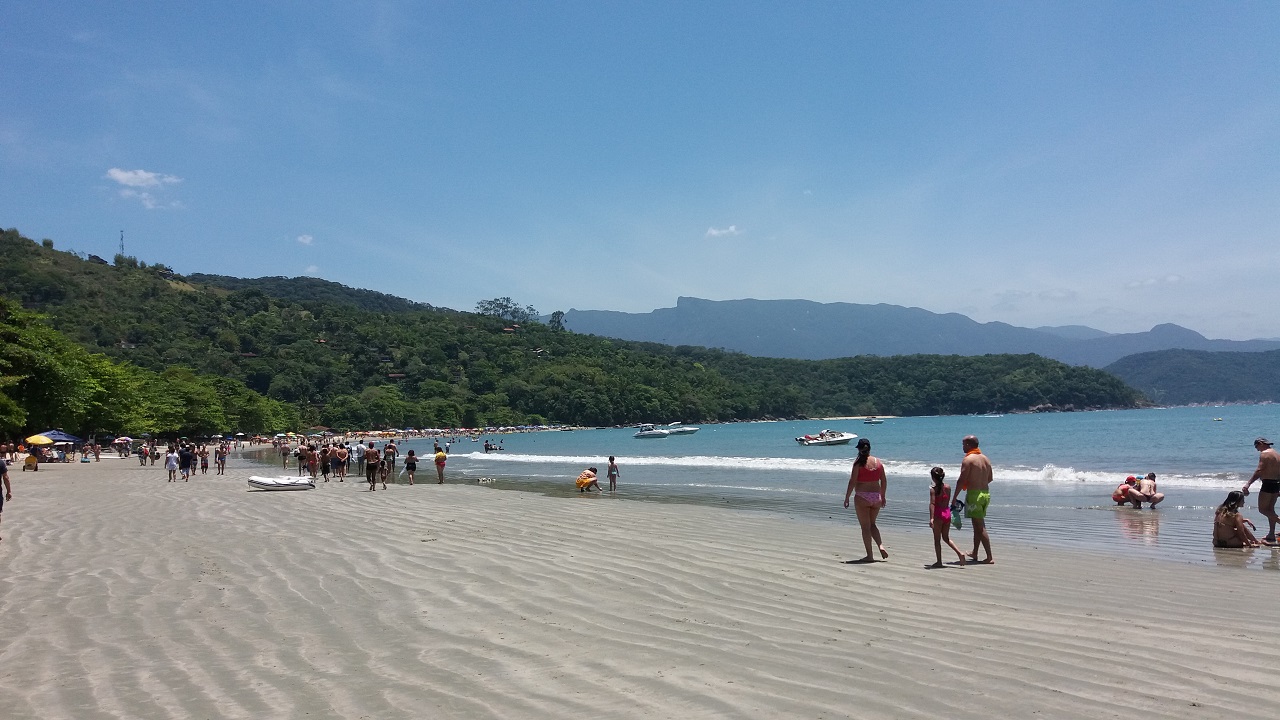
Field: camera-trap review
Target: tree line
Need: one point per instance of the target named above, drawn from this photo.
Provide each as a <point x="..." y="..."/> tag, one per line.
<point x="346" y="358"/>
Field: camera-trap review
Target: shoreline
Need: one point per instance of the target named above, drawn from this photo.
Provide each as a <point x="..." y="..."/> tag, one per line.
<point x="126" y="596"/>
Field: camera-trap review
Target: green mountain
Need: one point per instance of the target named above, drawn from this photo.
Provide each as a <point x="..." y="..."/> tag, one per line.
<point x="351" y="358"/>
<point x="1181" y="377"/>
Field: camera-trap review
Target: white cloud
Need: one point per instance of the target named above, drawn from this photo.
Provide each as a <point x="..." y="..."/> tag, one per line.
<point x="141" y="178"/>
<point x="1153" y="282"/>
<point x="147" y="199"/>
<point x="311" y="270"/>
<point x="305" y="239"/>
<point x="721" y="232"/>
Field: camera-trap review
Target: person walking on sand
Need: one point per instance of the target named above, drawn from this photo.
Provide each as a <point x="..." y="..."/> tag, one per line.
<point x="372" y="458"/>
<point x="940" y="515"/>
<point x="868" y="485"/>
<point x="975" y="481"/>
<point x="343" y="455"/>
<point x="171" y="464"/>
<point x="410" y="465"/>
<point x="612" y="472"/>
<point x="1269" y="473"/>
<point x="8" y="491"/>
<point x="440" y="457"/>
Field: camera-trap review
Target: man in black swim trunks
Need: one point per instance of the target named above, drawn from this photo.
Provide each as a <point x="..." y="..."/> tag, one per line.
<point x="1269" y="473"/>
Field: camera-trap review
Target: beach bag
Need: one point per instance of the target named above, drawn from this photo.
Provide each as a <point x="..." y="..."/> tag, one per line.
<point x="957" y="513"/>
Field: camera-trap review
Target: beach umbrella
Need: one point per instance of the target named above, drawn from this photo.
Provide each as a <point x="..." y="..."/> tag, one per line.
<point x="59" y="436"/>
<point x="40" y="440"/>
<point x="239" y="434"/>
<point x="125" y="439"/>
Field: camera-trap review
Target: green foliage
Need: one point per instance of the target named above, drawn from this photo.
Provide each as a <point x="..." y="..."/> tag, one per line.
<point x="507" y="309"/>
<point x="350" y="359"/>
<point x="1180" y="377"/>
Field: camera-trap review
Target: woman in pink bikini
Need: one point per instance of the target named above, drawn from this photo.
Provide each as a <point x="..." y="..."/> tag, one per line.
<point x="867" y="486"/>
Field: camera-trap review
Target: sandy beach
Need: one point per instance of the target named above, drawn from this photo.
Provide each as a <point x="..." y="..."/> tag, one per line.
<point x="123" y="596"/>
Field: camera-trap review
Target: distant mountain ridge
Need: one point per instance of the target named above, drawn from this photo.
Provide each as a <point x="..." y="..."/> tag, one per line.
<point x="808" y="330"/>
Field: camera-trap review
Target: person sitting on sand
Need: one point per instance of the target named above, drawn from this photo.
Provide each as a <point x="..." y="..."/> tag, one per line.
<point x="1147" y="489"/>
<point x="587" y="480"/>
<point x="1126" y="493"/>
<point x="1229" y="529"/>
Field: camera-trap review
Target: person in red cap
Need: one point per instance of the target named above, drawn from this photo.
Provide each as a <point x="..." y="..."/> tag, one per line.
<point x="1269" y="473"/>
<point x="1126" y="493"/>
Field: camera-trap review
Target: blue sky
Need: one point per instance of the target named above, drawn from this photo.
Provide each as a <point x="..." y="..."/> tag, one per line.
<point x="1109" y="164"/>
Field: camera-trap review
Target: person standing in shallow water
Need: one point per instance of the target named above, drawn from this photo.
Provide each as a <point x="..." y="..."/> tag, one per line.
<point x="868" y="485"/>
<point x="1269" y="473"/>
<point x="612" y="472"/>
<point x="975" y="481"/>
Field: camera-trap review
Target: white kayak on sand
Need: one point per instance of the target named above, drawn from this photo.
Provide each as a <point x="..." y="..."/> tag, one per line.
<point x="281" y="483"/>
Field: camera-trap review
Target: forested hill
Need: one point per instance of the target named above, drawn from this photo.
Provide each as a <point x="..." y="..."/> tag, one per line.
<point x="1181" y="377"/>
<point x="306" y="290"/>
<point x="344" y="365"/>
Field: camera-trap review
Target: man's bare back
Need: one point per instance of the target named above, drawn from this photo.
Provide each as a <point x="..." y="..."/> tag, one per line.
<point x="975" y="473"/>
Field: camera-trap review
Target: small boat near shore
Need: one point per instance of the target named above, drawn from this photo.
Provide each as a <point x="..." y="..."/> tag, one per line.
<point x="649" y="431"/>
<point x="827" y="437"/>
<point x="281" y="483"/>
<point x="872" y="420"/>
<point x="676" y="428"/>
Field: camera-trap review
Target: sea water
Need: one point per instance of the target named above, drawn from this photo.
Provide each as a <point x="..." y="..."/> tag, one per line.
<point x="1054" y="472"/>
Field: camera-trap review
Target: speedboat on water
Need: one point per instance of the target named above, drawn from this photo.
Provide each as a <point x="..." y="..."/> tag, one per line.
<point x="649" y="431"/>
<point x="827" y="437"/>
<point x="676" y="428"/>
<point x="281" y="483"/>
<point x="871" y="420"/>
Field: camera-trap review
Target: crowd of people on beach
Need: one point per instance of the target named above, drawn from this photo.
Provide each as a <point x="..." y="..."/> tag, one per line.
<point x="332" y="459"/>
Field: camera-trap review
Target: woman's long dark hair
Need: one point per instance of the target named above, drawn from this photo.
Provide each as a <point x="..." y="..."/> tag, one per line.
<point x="1234" y="500"/>
<point x="864" y="451"/>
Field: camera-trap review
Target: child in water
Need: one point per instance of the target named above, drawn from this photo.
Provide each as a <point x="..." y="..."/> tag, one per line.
<point x="940" y="515"/>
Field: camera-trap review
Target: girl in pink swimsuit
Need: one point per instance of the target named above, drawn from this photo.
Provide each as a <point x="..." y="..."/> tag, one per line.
<point x="867" y="485"/>
<point x="940" y="515"/>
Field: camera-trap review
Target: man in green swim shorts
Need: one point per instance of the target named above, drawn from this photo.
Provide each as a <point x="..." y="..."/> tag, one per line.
<point x="975" y="480"/>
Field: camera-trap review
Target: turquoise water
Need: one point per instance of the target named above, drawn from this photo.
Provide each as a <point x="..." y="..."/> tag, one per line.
<point x="1053" y="472"/>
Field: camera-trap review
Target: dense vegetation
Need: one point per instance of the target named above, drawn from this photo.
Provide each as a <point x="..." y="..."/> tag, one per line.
<point x="1180" y="377"/>
<point x="47" y="381"/>
<point x="347" y="358"/>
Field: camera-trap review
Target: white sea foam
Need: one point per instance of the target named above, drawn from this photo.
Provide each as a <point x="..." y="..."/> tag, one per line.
<point x="1045" y="475"/>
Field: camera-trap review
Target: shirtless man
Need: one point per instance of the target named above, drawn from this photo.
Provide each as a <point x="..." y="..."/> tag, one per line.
<point x="1269" y="473"/>
<point x="1147" y="489"/>
<point x="975" y="481"/>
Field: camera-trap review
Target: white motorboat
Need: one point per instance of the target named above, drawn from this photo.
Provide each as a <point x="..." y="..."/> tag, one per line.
<point x="649" y="431"/>
<point x="872" y="420"/>
<point x="281" y="483"/>
<point x="676" y="428"/>
<point x="827" y="437"/>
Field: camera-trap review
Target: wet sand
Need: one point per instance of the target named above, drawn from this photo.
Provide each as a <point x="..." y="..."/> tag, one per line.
<point x="124" y="596"/>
